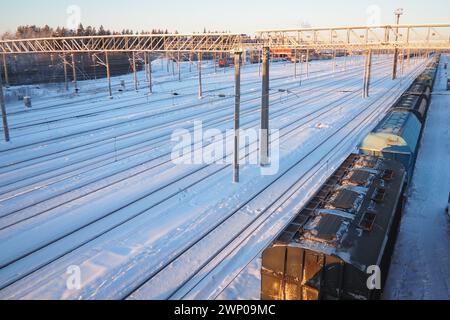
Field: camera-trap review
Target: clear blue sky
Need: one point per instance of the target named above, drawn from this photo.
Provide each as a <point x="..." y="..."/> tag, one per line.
<point x="244" y="16"/>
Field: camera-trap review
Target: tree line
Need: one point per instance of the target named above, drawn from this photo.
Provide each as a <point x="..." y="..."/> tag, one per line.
<point x="33" y="31"/>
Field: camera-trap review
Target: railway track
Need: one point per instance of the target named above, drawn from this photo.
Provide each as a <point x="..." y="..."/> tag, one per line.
<point x="115" y="146"/>
<point x="144" y="116"/>
<point x="187" y="93"/>
<point x="110" y="172"/>
<point x="126" y="134"/>
<point x="101" y="88"/>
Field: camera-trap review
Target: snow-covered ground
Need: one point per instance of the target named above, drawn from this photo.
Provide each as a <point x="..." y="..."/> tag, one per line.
<point x="421" y="263"/>
<point x="88" y="181"/>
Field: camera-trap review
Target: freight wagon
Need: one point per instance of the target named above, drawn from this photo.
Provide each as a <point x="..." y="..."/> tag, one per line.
<point x="347" y="228"/>
<point x="224" y="63"/>
<point x="416" y="104"/>
<point x="417" y="97"/>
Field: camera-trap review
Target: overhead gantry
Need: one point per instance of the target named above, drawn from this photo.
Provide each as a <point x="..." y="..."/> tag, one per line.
<point x="210" y="42"/>
<point x="401" y="40"/>
<point x="134" y="44"/>
<point x="385" y="37"/>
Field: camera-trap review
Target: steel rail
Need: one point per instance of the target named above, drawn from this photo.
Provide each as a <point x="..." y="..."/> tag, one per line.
<point x="212" y="122"/>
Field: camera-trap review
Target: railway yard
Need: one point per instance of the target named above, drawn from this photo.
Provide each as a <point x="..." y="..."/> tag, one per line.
<point x="289" y="164"/>
<point x="89" y="180"/>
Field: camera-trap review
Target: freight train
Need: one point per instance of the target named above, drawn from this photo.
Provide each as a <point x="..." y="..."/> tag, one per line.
<point x="398" y="135"/>
<point x="340" y="244"/>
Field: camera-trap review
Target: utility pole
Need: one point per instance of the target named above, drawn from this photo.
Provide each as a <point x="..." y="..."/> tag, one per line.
<point x="134" y="72"/>
<point x="173" y="64"/>
<point x="3" y="107"/>
<point x="264" y="148"/>
<point x="224" y="57"/>
<point x="295" y="63"/>
<point x="307" y="63"/>
<point x="215" y="63"/>
<point x="302" y="58"/>
<point x="402" y="68"/>
<point x="66" y="83"/>
<point x="345" y="60"/>
<point x="367" y="72"/>
<point x="74" y="71"/>
<point x="150" y="73"/>
<point x="334" y="61"/>
<point x="5" y="68"/>
<point x="167" y="61"/>
<point x="94" y="64"/>
<point x="200" y="89"/>
<point x="409" y="57"/>
<point x="259" y="62"/>
<point x="179" y="66"/>
<point x="108" y="73"/>
<point x="397" y="13"/>
<point x="237" y="110"/>
<point x="146" y="67"/>
<point x="394" y="69"/>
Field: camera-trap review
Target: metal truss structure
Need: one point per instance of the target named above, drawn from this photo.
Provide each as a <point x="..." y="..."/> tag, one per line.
<point x="387" y="37"/>
<point x="416" y="37"/>
<point x="199" y="43"/>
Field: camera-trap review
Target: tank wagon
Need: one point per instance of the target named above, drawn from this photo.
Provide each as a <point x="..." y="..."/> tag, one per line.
<point x="348" y="227"/>
<point x="417" y="98"/>
<point x="396" y="137"/>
